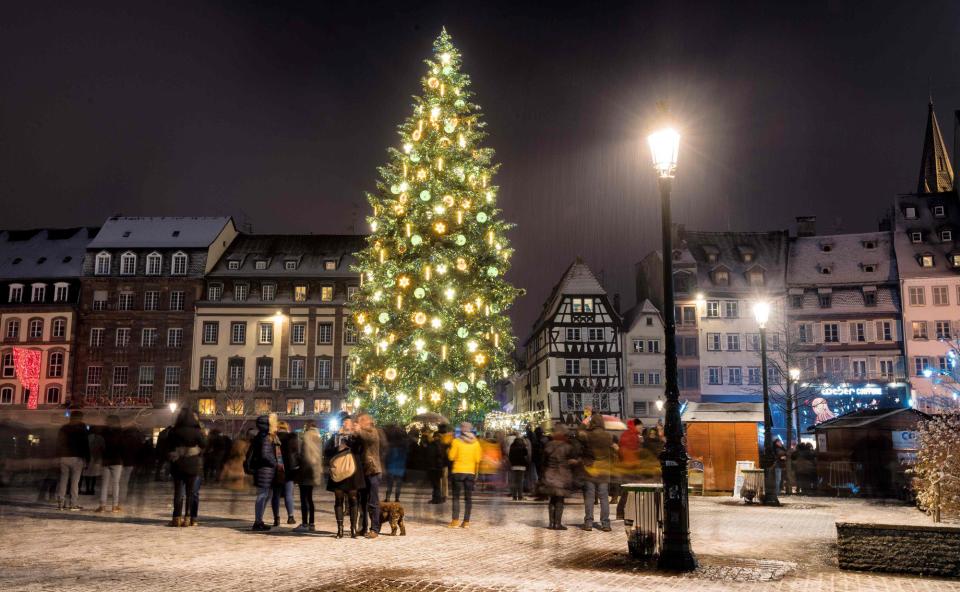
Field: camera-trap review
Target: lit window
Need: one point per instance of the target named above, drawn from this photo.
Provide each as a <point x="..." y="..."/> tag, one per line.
<point x="295" y="406"/>
<point x="321" y="406"/>
<point x="262" y="406"/>
<point x="926" y="261"/>
<point x="300" y="293"/>
<point x="910" y="213"/>
<point x="235" y="406"/>
<point x="330" y="265"/>
<point x="206" y="406"/>
<point x="326" y="293"/>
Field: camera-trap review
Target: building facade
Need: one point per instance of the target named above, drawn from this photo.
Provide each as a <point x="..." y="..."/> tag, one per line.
<point x="927" y="224"/>
<point x="39" y="292"/>
<point x="845" y="333"/>
<point x="140" y="280"/>
<point x="573" y="357"/>
<point x="643" y="363"/>
<point x="273" y="329"/>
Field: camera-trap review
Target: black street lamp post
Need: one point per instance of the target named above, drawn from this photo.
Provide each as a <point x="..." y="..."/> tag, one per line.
<point x="676" y="554"/>
<point x="762" y="312"/>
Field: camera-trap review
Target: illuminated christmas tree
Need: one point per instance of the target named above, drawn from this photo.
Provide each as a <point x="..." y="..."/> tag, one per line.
<point x="434" y="333"/>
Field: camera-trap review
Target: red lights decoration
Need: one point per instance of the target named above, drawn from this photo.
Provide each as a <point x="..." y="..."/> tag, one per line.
<point x="27" y="364"/>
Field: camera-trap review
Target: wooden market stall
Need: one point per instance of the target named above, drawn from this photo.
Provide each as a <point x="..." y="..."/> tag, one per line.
<point x="719" y="435"/>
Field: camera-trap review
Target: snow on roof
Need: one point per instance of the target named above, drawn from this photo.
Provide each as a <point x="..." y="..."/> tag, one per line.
<point x="766" y="250"/>
<point x="842" y="259"/>
<point x="309" y="252"/>
<point x="43" y="252"/>
<point x="159" y="232"/>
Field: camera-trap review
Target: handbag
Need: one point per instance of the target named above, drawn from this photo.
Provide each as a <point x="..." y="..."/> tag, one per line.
<point x="342" y="466"/>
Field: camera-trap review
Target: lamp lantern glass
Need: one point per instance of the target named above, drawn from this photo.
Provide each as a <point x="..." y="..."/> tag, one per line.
<point x="761" y="311"/>
<point x="664" y="148"/>
<point x="794" y="374"/>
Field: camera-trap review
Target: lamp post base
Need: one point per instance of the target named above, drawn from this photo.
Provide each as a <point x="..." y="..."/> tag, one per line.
<point x="677" y="559"/>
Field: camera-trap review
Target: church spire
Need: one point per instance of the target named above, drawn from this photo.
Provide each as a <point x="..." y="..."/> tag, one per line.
<point x="936" y="174"/>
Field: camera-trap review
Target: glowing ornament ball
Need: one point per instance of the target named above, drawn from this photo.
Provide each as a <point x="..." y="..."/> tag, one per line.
<point x="390" y="374"/>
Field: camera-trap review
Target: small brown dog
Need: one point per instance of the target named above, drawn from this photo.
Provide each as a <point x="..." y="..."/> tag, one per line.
<point x="393" y="512"/>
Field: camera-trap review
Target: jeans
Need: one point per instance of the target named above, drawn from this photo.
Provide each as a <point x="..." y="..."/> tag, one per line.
<point x="590" y="491"/>
<point x="111" y="482"/>
<point x="263" y="496"/>
<point x="463" y="482"/>
<point x="516" y="482"/>
<point x="285" y="491"/>
<point x="777" y="474"/>
<point x="370" y="502"/>
<point x="186" y="488"/>
<point x="125" y="483"/>
<point x="307" y="508"/>
<point x="70" y="469"/>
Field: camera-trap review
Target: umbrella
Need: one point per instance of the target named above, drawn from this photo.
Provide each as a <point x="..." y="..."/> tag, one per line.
<point x="431" y="418"/>
<point x="610" y="422"/>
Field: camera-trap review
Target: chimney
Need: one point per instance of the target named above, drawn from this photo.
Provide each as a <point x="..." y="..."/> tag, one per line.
<point x="616" y="303"/>
<point x="806" y="226"/>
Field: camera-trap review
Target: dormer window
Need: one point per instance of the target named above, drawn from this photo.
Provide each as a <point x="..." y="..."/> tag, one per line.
<point x="826" y="247"/>
<point x="955" y="260"/>
<point x="16" y="292"/>
<point x="178" y="263"/>
<point x="926" y="260"/>
<point x="290" y="264"/>
<point x="154" y="263"/>
<point x="869" y="267"/>
<point x="869" y="245"/>
<point x="910" y="213"/>
<point x="826" y="270"/>
<point x="102" y="264"/>
<point x="946" y="235"/>
<point x="939" y="211"/>
<point x="260" y="264"/>
<point x="126" y="234"/>
<point x="916" y="237"/>
<point x="721" y="277"/>
<point x="128" y="263"/>
<point x="175" y="233"/>
<point x="756" y="277"/>
<point x="747" y="254"/>
<point x="869" y="295"/>
<point x="233" y="265"/>
<point x="330" y="265"/>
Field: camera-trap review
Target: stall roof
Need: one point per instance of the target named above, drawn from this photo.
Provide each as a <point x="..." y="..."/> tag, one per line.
<point x="723" y="412"/>
<point x="865" y="417"/>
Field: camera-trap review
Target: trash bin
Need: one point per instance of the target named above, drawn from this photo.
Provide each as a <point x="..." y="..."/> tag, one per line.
<point x="643" y="519"/>
<point x="752" y="485"/>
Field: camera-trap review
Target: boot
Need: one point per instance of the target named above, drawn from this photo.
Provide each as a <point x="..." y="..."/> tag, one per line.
<point x="353" y="518"/>
<point x="338" y="512"/>
<point x="552" y="515"/>
<point x="558" y="515"/>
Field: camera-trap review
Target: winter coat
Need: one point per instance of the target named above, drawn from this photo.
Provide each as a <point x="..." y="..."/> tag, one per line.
<point x="598" y="451"/>
<point x="263" y="454"/>
<point x="290" y="449"/>
<point x="185" y="446"/>
<point x="804" y="462"/>
<point x="434" y="456"/>
<point x="518" y="455"/>
<point x="373" y="442"/>
<point x="558" y="474"/>
<point x="311" y="458"/>
<point x="335" y="444"/>
<point x="72" y="441"/>
<point x="629" y="444"/>
<point x="465" y="454"/>
<point x="397" y="458"/>
<point x="132" y="447"/>
<point x="112" y="445"/>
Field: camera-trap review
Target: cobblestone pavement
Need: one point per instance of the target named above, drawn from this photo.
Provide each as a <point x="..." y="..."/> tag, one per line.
<point x="508" y="549"/>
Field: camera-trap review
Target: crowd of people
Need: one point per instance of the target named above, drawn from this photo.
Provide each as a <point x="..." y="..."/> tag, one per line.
<point x="363" y="465"/>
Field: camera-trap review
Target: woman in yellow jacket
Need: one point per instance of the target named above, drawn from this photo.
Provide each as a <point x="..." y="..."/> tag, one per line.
<point x="465" y="454"/>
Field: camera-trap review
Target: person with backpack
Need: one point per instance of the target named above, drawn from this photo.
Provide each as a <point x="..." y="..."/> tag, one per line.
<point x="263" y="460"/>
<point x="342" y="458"/>
<point x="519" y="456"/>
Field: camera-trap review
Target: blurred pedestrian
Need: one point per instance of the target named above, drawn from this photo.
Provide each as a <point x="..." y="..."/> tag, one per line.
<point x="286" y="473"/>
<point x="342" y="457"/>
<point x="519" y="456"/>
<point x="262" y="460"/>
<point x="131" y="456"/>
<point x="558" y="476"/>
<point x="628" y="460"/>
<point x="435" y="460"/>
<point x="780" y="462"/>
<point x="805" y="467"/>
<point x="185" y="446"/>
<point x="94" y="468"/>
<point x="598" y="463"/>
<point x="112" y="456"/>
<point x="397" y="454"/>
<point x="73" y="448"/>
<point x="310" y="474"/>
<point x="465" y="454"/>
<point x="373" y="443"/>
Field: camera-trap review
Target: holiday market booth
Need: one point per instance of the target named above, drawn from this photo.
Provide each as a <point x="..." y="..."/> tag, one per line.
<point x="720" y="435"/>
<point x="868" y="452"/>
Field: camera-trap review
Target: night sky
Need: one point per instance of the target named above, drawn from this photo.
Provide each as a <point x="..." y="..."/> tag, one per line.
<point x="279" y="114"/>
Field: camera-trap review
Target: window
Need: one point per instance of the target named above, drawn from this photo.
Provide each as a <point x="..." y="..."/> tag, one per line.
<point x="858" y="332"/>
<point x="295" y="406"/>
<point x="296" y="372"/>
<point x="926" y="261"/>
<point x="598" y="367"/>
<point x="919" y="329"/>
<point x="653" y="346"/>
<point x="208" y="372"/>
<point x="214" y="292"/>
<point x="211" y="332"/>
<point x="859" y="368"/>
<point x="753" y="375"/>
<point x="264" y="372"/>
<point x="713" y="309"/>
<point x="125" y="301"/>
<point x="298" y="333"/>
<point x="238" y="333"/>
<point x="60" y="292"/>
<point x="53" y="395"/>
<point x="804" y="335"/>
<point x="268" y="292"/>
<point x="347" y="369"/>
<point x="151" y="300"/>
<point x="349" y="332"/>
<point x="714" y="376"/>
<point x="9" y="371"/>
<point x="943" y="329"/>
<point x="734" y="375"/>
<point x="637" y="378"/>
<point x="148" y="337"/>
<point x="96" y="337"/>
<point x="640" y="408"/>
<point x="946" y="236"/>
<point x="321" y="406"/>
<point x="260" y="264"/>
<point x="885" y="330"/>
<point x="58" y="328"/>
<point x="917" y="296"/>
<point x="920" y="363"/>
<point x="13" y="329"/>
<point x="102" y="264"/>
<point x="595" y="334"/>
<point x="94" y="376"/>
<point x="756" y="277"/>
<point x="206" y="406"/>
<point x="176" y="300"/>
<point x="731" y="309"/>
<point x="573" y="334"/>
<point x="752" y="341"/>
<point x="122" y="337"/>
<point x="35" y="329"/>
<point x="233" y="265"/>
<point x="145" y="388"/>
<point x="689" y="316"/>
<point x="154" y="263"/>
<point x="262" y="406"/>
<point x="572" y="367"/>
<point x="128" y="263"/>
<point x="178" y="264"/>
<point x="869" y="298"/>
<point x="940" y="296"/>
<point x="16" y="292"/>
<point x="773" y="375"/>
<point x="916" y="237"/>
<point x="38" y="292"/>
<point x="121" y="374"/>
<point x="55" y="365"/>
<point x="686" y="346"/>
<point x="886" y="368"/>
<point x="266" y="333"/>
<point x="352" y="292"/>
<point x="240" y="292"/>
<point x="796" y="300"/>
<point x="733" y="342"/>
<point x="330" y="265"/>
<point x="326" y="293"/>
<point x="235" y="369"/>
<point x="939" y="211"/>
<point x="324" y="372"/>
<point x="721" y="277"/>
<point x="653" y="377"/>
<point x="324" y="333"/>
<point x="6" y="395"/>
<point x="713" y="342"/>
<point x="638" y="345"/>
<point x="300" y="293"/>
<point x="235" y="406"/>
<point x="831" y="333"/>
<point x="290" y="265"/>
<point x="100" y="298"/>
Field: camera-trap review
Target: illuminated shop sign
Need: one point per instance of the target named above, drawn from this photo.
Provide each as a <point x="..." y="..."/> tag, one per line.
<point x="819" y="402"/>
<point x="850" y="390"/>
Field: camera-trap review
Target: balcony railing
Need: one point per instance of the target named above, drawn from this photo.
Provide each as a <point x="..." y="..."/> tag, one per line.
<point x="303" y="384"/>
<point x="126" y="401"/>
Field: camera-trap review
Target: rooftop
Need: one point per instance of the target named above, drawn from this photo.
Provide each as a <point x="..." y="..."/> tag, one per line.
<point x="44" y="252"/>
<point x="267" y="255"/>
<point x="842" y="259"/>
<point x="159" y="232"/>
